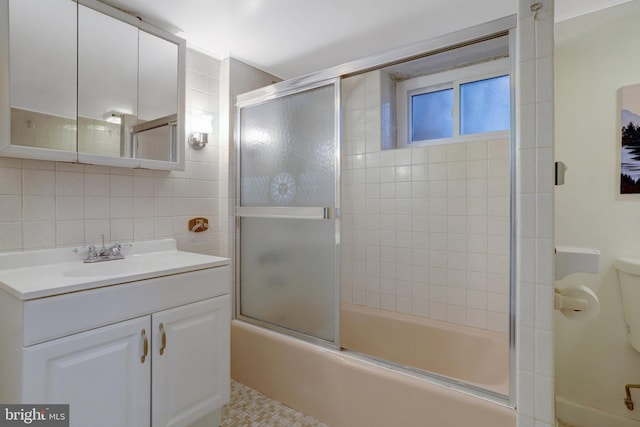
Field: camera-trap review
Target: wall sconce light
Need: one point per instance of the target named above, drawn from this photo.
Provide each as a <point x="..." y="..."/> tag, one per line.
<point x="198" y="140"/>
<point x="200" y="130"/>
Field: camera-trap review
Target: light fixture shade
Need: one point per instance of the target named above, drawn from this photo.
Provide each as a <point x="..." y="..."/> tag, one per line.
<point x="201" y="123"/>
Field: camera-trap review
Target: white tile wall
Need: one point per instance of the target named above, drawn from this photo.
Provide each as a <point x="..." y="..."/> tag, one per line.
<point x="47" y="204"/>
<point x="425" y="231"/>
<point x="33" y="129"/>
<point x="534" y="308"/>
<point x="98" y="136"/>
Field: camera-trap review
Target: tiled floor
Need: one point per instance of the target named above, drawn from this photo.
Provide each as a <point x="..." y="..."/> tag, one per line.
<point x="251" y="408"/>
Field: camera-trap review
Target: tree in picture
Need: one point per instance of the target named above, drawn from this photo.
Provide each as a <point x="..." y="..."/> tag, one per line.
<point x="630" y="140"/>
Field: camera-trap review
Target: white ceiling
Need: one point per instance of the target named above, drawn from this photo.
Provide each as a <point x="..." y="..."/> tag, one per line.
<point x="294" y="37"/>
<point x="567" y="9"/>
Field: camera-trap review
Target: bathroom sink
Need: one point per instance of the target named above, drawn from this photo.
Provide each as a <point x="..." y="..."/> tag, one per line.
<point x="43" y="273"/>
<point x="134" y="265"/>
<point x="97" y="270"/>
<point x="107" y="268"/>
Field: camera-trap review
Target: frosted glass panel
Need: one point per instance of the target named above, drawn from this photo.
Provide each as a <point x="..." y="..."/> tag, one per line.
<point x="288" y="273"/>
<point x="288" y="247"/>
<point x="432" y="115"/>
<point x="485" y="105"/>
<point x="287" y="150"/>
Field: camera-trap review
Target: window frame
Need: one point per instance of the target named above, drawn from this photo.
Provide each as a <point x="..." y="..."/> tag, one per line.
<point x="450" y="79"/>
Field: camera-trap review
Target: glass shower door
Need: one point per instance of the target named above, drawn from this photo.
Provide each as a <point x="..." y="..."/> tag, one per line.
<point x="287" y="227"/>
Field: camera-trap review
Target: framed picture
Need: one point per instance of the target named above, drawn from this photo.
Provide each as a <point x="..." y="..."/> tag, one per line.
<point x="630" y="139"/>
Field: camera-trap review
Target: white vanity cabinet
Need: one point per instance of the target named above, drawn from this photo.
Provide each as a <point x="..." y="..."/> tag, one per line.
<point x="121" y="366"/>
<point x="190" y="376"/>
<point x="150" y="352"/>
<point x="93" y="371"/>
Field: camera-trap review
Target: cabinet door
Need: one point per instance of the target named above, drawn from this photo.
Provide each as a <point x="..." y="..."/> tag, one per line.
<point x="190" y="376"/>
<point x="100" y="373"/>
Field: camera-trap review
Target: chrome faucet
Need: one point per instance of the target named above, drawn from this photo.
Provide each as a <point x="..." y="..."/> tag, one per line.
<point x="105" y="254"/>
<point x="113" y="252"/>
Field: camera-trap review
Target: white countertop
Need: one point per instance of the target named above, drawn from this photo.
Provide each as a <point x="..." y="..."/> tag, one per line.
<point x="44" y="273"/>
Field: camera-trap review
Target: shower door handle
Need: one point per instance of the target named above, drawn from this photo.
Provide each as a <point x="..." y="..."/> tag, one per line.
<point x="331" y="213"/>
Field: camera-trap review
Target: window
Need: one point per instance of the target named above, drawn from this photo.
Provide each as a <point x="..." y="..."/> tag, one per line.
<point x="431" y="115"/>
<point x="485" y="106"/>
<point x="458" y="105"/>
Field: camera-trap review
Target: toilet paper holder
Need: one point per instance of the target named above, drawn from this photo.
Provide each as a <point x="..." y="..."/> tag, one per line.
<point x="576" y="302"/>
<point x="561" y="302"/>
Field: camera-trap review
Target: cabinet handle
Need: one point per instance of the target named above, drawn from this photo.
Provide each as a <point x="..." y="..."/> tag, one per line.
<point x="164" y="339"/>
<point x="145" y="344"/>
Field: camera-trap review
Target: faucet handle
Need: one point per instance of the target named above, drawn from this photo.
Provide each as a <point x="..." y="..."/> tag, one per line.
<point x="91" y="250"/>
<point x="92" y="254"/>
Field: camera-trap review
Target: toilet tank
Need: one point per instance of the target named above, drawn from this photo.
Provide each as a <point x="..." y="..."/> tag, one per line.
<point x="629" y="280"/>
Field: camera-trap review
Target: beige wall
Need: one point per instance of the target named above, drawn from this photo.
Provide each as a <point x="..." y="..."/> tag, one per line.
<point x="595" y="56"/>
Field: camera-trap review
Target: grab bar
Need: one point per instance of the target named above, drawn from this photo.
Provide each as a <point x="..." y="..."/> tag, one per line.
<point x="287" y="212"/>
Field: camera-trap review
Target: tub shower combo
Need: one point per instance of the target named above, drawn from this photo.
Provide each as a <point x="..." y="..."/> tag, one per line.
<point x="374" y="252"/>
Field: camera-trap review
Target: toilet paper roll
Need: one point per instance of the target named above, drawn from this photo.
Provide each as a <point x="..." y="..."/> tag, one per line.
<point x="581" y="292"/>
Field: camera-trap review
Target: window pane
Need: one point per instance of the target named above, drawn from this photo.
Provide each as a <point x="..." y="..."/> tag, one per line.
<point x="484" y="105"/>
<point x="431" y="115"/>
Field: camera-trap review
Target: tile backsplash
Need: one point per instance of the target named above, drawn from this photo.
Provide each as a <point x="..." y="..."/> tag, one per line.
<point x="51" y="204"/>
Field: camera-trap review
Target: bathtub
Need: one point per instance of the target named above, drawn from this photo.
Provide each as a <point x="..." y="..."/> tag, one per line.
<point x="474" y="356"/>
<point x="343" y="390"/>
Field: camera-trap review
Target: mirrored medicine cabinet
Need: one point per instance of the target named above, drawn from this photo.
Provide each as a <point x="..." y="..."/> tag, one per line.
<point x="83" y="82"/>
